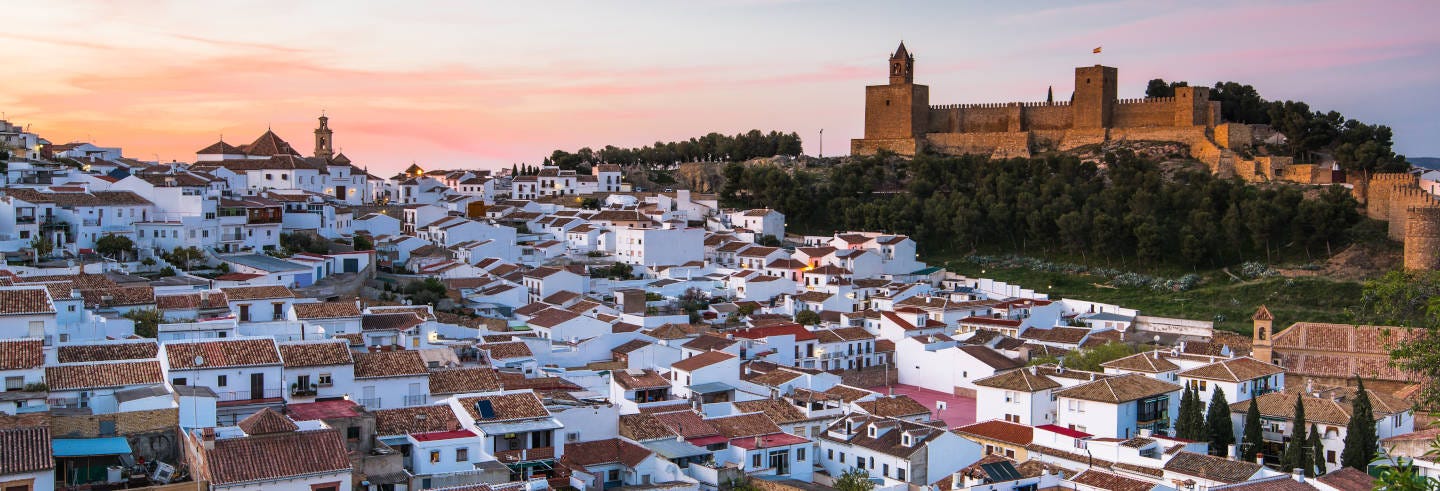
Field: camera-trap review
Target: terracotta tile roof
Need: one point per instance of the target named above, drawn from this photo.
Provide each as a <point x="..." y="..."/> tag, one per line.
<point x="21" y="354"/>
<point x="701" y="360"/>
<point x="222" y="353"/>
<point x="112" y="350"/>
<point x="316" y="353"/>
<point x="322" y="410"/>
<point x="1347" y="479"/>
<point x="405" y="363"/>
<point x="1123" y="388"/>
<point x="630" y="346"/>
<point x="777" y="410"/>
<point x="843" y="334"/>
<point x="894" y="407"/>
<point x="1019" y="380"/>
<point x="1333" y="409"/>
<point x="27" y="449"/>
<point x="999" y="430"/>
<point x="81" y="376"/>
<point x="889" y="442"/>
<point x="772" y="378"/>
<point x="646" y="379"/>
<point x="25" y="301"/>
<point x="418" y="419"/>
<point x="463" y="380"/>
<point x="123" y="296"/>
<point x="1058" y="335"/>
<point x="1211" y="467"/>
<point x="990" y="357"/>
<point x="326" y="310"/>
<point x="1234" y="370"/>
<point x="551" y="317"/>
<point x="423" y="311"/>
<point x="601" y="452"/>
<point x="777" y="329"/>
<point x="265" y="422"/>
<point x="643" y="427"/>
<point x="240" y="293"/>
<point x="1111" y="482"/>
<point x="686" y="423"/>
<point x="1342" y="350"/>
<point x="1263" y="314"/>
<point x="744" y="425"/>
<point x="507" y="407"/>
<point x="677" y="331"/>
<point x="1152" y="362"/>
<point x="390" y="322"/>
<point x="506" y="351"/>
<point x="276" y="456"/>
<point x="709" y="342"/>
<point x="847" y="393"/>
<point x="192" y="301"/>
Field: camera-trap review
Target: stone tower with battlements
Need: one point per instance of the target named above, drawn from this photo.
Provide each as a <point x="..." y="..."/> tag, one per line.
<point x="324" y="139"/>
<point x="896" y="114"/>
<point x="1261" y="345"/>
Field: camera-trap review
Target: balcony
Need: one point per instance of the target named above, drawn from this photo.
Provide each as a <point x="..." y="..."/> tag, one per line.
<point x="297" y="391"/>
<point x="25" y="220"/>
<point x="232" y="238"/>
<point x="520" y="456"/>
<point x="240" y="397"/>
<point x="371" y="403"/>
<point x="415" y="400"/>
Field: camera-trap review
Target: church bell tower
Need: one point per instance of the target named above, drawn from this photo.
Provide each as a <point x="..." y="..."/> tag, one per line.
<point x="1261" y="346"/>
<point x="324" y="139"/>
<point x="902" y="66"/>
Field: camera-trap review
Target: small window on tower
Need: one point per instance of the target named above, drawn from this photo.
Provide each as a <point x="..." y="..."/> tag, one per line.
<point x="887" y="102"/>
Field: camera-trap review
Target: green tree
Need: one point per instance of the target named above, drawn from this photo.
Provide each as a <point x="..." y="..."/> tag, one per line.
<point x="1254" y="439"/>
<point x="854" y="479"/>
<point x="590" y="204"/>
<point x="1296" y="455"/>
<point x="428" y="291"/>
<point x="1317" y="451"/>
<point x="1361" y="439"/>
<point x="147" y="321"/>
<point x="807" y="317"/>
<point x="363" y="243"/>
<point x="116" y="247"/>
<point x="1221" y="431"/>
<point x="768" y="241"/>
<point x="42" y="247"/>
<point x="745" y="309"/>
<point x="1183" y="423"/>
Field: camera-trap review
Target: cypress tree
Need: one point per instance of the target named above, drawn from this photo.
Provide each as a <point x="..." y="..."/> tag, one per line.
<point x="1361" y="441"/>
<point x="1221" y="430"/>
<point x="514" y="170"/>
<point x="1295" y="451"/>
<point x="1318" y="451"/>
<point x="1185" y="422"/>
<point x="1197" y="418"/>
<point x="1254" y="440"/>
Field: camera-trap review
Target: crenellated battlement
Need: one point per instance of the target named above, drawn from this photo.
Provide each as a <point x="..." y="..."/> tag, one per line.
<point x="999" y="105"/>
<point x="1147" y="100"/>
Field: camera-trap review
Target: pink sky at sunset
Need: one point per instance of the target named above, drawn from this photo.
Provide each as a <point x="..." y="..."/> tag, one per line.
<point x="487" y="84"/>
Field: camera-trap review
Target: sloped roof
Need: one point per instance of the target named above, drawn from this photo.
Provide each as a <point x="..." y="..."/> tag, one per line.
<point x="222" y="353"/>
<point x="1123" y="388"/>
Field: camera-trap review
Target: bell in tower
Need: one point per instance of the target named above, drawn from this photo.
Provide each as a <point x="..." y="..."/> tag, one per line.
<point x="324" y="139"/>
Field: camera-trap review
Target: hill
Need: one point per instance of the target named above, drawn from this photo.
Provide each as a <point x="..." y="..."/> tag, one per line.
<point x="1432" y="163"/>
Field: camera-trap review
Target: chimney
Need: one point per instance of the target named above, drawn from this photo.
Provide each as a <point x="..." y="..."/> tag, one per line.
<point x="1145" y="433"/>
<point x="207" y="438"/>
<point x="1232" y="452"/>
<point x="1260" y="459"/>
<point x="1298" y="475"/>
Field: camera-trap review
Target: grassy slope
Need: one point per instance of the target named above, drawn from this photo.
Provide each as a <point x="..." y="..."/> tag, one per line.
<point x="1290" y="299"/>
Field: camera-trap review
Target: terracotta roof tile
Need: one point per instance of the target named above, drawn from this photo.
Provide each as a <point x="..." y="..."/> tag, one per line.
<point x="894" y="407"/>
<point x="600" y="452"/>
<point x="1234" y="370"/>
<point x="241" y="293"/>
<point x="1211" y="467"/>
<point x="265" y="422"/>
<point x="646" y="379"/>
<point x="109" y="351"/>
<point x="25" y="301"/>
<point x="276" y="456"/>
<point x="418" y="419"/>
<point x="701" y="360"/>
<point x="1019" y="380"/>
<point x="1152" y="362"/>
<point x="1114" y="390"/>
<point x="390" y="322"/>
<point x="101" y="375"/>
<point x="643" y="427"/>
<point x="21" y="354"/>
<point x="27" y="449"/>
<point x="506" y="351"/>
<point x="744" y="425"/>
<point x="463" y="380"/>
<point x="222" y="353"/>
<point x="1111" y="482"/>
<point x="326" y="310"/>
<point x="777" y="410"/>
<point x="507" y="407"/>
<point x="381" y="364"/>
<point x="316" y="353"/>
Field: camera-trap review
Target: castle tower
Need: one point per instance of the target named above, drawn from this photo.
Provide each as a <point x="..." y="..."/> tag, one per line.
<point x="324" y="139"/>
<point x="1422" y="238"/>
<point x="1260" y="340"/>
<point x="1095" y="93"/>
<point x="897" y="115"/>
<point x="902" y="66"/>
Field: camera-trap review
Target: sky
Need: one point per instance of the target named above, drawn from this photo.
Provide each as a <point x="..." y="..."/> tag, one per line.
<point x="469" y="84"/>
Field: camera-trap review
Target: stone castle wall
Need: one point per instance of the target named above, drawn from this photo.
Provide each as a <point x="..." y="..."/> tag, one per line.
<point x="1000" y="145"/>
<point x="1422" y="238"/>
<point x="1141" y="113"/>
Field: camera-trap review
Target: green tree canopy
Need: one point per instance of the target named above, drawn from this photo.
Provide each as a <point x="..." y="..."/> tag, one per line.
<point x="1220" y="431"/>
<point x="1361" y="439"/>
<point x="114" y="246"/>
<point x="147" y="321"/>
<point x="1254" y="439"/>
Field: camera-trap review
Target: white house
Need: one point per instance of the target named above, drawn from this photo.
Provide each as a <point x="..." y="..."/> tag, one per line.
<point x="1328" y="409"/>
<point x="317" y="369"/>
<point x="388" y="379"/>
<point x="1019" y="396"/>
<point x="1239" y="378"/>
<point x="246" y="373"/>
<point x="1119" y="407"/>
<point x="899" y="453"/>
<point x="761" y="221"/>
<point x="22" y="364"/>
<point x="268" y="451"/>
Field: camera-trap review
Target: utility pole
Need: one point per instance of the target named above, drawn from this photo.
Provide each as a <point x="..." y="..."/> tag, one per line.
<point x="822" y="143"/>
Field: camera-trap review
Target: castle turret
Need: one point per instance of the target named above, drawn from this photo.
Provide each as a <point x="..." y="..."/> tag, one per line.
<point x="902" y="66"/>
<point x="1260" y="342"/>
<point x="324" y="139"/>
<point x="1095" y="92"/>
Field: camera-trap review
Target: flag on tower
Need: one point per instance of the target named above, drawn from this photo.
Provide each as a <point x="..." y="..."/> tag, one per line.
<point x="1096" y="50"/>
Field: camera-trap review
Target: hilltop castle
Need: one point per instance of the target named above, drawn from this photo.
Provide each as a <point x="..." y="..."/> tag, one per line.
<point x="900" y="118"/>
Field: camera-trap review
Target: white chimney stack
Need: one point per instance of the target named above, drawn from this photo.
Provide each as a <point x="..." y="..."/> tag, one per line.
<point x="1232" y="452"/>
<point x="1298" y="475"/>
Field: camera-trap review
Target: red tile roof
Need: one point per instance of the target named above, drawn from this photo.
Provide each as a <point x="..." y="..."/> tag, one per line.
<point x="316" y="353"/>
<point x="1000" y="430"/>
<point x="25" y="301"/>
<point x="21" y="354"/>
<point x="322" y="410"/>
<point x="381" y="364"/>
<point x="276" y="456"/>
<point x="27" y="449"/>
<point x="800" y="333"/>
<point x="266" y="422"/>
<point x="222" y="353"/>
<point x="701" y="361"/>
<point x="98" y="375"/>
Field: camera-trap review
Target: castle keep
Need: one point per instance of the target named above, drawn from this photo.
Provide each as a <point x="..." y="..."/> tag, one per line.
<point x="900" y="118"/>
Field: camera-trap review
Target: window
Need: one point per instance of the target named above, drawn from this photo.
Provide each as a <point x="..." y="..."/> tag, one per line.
<point x="800" y="454"/>
<point x="462" y="454"/>
<point x="434" y="456"/>
<point x="754" y="462"/>
<point x="842" y="457"/>
<point x="279" y="309"/>
<point x="352" y="433"/>
<point x="900" y="473"/>
<point x="885" y="470"/>
<point x="613" y="475"/>
<point x="222" y="380"/>
<point x="14" y="383"/>
<point x="829" y="454"/>
<point x="324" y="380"/>
<point x="178" y="381"/>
